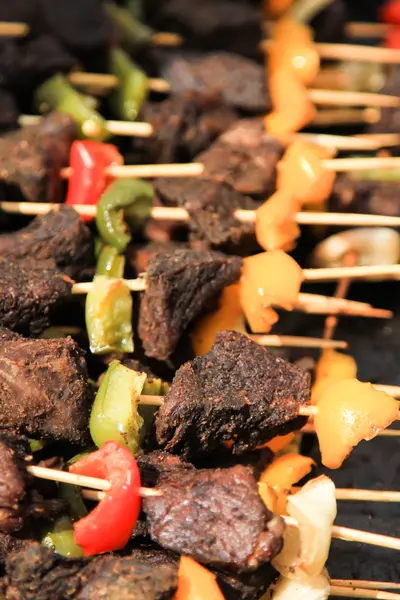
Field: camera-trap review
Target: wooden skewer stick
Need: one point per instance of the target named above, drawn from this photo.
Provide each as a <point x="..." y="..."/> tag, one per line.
<point x="293" y="341"/>
<point x="107" y="81"/>
<point x="13" y="29"/>
<point x="348" y="98"/>
<point x="172" y="213"/>
<point x="311" y="303"/>
<point x="333" y="273"/>
<point x="363" y="495"/>
<point x="367" y="30"/>
<point x="80" y="480"/>
<point x="384" y="433"/>
<point x="346" y="116"/>
<point x="366" y="584"/>
<point x="348" y="592"/>
<point x="350" y="52"/>
<point x="148" y="171"/>
<point x="125" y="128"/>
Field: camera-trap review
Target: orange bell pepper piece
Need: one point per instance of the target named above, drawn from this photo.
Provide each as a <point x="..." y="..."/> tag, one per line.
<point x="279" y="442"/>
<point x="288" y="29"/>
<point x="229" y="315"/>
<point x="276" y="8"/>
<point x="332" y="366"/>
<point x="281" y="475"/>
<point x="269" y="278"/>
<point x="301" y="172"/>
<point x="350" y="411"/>
<point x="293" y="109"/>
<point x="292" y="49"/>
<point x="196" y="582"/>
<point x="275" y="226"/>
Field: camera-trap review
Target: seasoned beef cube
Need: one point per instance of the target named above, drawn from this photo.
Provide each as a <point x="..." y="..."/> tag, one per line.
<point x="12" y="543"/>
<point x="29" y="290"/>
<point x="183" y="126"/>
<point x="238" y="392"/>
<point x="126" y="579"/>
<point x="211" y="206"/>
<point x="245" y="157"/>
<point x="37" y="573"/>
<point x="31" y="159"/>
<point x="44" y="391"/>
<point x="14" y="480"/>
<point x="60" y="235"/>
<point x="210" y="24"/>
<point x="155" y="464"/>
<point x="216" y="516"/>
<point x="257" y="460"/>
<point x="179" y="285"/>
<point x="138" y="256"/>
<point x="7" y="334"/>
<point x="240" y="82"/>
<point x="370" y="197"/>
<point x="246" y="586"/>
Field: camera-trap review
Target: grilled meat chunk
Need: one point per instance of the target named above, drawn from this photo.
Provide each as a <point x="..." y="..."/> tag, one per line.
<point x="183" y="126"/>
<point x="211" y="206"/>
<point x="37" y="573"/>
<point x="240" y="82"/>
<point x="32" y="157"/>
<point x="230" y="527"/>
<point x="29" y="290"/>
<point x="367" y="197"/>
<point x="44" y="391"/>
<point x="246" y="586"/>
<point x="238" y="392"/>
<point x="211" y="24"/>
<point x="156" y="464"/>
<point x="179" y="285"/>
<point x="245" y="157"/>
<point x="60" y="235"/>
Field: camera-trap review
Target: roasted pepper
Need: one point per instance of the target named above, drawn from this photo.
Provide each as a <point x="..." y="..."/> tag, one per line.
<point x="110" y="263"/>
<point x="61" y="539"/>
<point x="132" y="197"/>
<point x="133" y="33"/>
<point x="390" y="12"/>
<point x="109" y="316"/>
<point x="109" y="526"/>
<point x="128" y="98"/>
<point x="57" y="94"/>
<point x="114" y="413"/>
<point x="89" y="161"/>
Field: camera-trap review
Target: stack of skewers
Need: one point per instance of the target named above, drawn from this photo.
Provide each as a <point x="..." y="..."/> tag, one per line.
<point x="165" y="406"/>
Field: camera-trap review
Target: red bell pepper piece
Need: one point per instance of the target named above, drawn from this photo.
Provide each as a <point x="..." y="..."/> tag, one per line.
<point x="109" y="526"/>
<point x="89" y="161"/>
<point x="392" y="39"/>
<point x="390" y="12"/>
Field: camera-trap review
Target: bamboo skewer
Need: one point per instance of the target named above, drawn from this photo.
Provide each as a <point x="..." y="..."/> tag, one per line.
<point x="311" y="303"/>
<point x="109" y="82"/>
<point x="366" y="584"/>
<point x="325" y="97"/>
<point x="125" y="128"/>
<point x="171" y="213"/>
<point x="367" y="30"/>
<point x="148" y="171"/>
<point x="346" y="116"/>
<point x="80" y="480"/>
<point x="350" y="52"/>
<point x="348" y="592"/>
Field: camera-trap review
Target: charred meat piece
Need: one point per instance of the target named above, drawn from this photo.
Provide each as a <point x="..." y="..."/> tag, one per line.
<point x="245" y="157"/>
<point x="44" y="391"/>
<point x="246" y="586"/>
<point x="157" y="463"/>
<point x="211" y="206"/>
<point x="211" y="24"/>
<point x="7" y="334"/>
<point x="37" y="573"/>
<point x="216" y="516"/>
<point x="139" y="256"/>
<point x="257" y="460"/>
<point x="29" y="290"/>
<point x="32" y="157"/>
<point x="238" y="392"/>
<point x="179" y="286"/>
<point x="240" y="82"/>
<point x="60" y="235"/>
<point x="367" y="197"/>
<point x="19" y="502"/>
<point x="183" y="126"/>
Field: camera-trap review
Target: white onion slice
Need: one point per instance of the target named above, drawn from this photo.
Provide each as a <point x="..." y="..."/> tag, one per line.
<point x="312" y="588"/>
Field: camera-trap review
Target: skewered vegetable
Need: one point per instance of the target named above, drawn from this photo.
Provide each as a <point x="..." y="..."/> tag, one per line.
<point x="128" y="98"/>
<point x="114" y="413"/>
<point x="195" y="582"/>
<point x="61" y="539"/>
<point x="110" y="263"/>
<point x="275" y="226"/>
<point x="109" y="526"/>
<point x="109" y="316"/>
